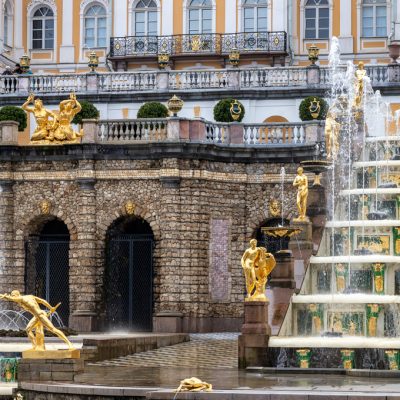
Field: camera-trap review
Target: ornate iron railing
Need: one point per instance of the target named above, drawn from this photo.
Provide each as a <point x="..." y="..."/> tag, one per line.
<point x="209" y="43"/>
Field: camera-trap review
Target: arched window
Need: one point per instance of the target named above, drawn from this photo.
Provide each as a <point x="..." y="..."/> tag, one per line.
<point x="43" y="28"/>
<point x="317" y="19"/>
<point x="145" y="18"/>
<point x="255" y="15"/>
<point x="200" y="16"/>
<point x="95" y="26"/>
<point x="8" y="23"/>
<point x="374" y="22"/>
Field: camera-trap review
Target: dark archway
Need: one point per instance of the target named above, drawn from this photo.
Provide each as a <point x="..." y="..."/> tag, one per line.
<point x="47" y="264"/>
<point x="128" y="285"/>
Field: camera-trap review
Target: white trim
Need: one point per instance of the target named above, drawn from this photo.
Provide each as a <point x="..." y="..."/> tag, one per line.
<point x="269" y="15"/>
<point x="302" y="26"/>
<point x="132" y="7"/>
<point x="186" y="17"/>
<point x="359" y="26"/>
<point x="31" y="8"/>
<point x="85" y="5"/>
<point x="10" y="26"/>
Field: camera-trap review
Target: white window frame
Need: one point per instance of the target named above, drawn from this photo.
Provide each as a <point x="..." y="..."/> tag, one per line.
<point x="186" y="10"/>
<point x="31" y="9"/>
<point x="255" y="9"/>
<point x="240" y="13"/>
<point x="373" y="6"/>
<point x="85" y="5"/>
<point x="131" y="17"/>
<point x="95" y="17"/>
<point x="317" y="9"/>
<point x="8" y="6"/>
<point x="359" y="26"/>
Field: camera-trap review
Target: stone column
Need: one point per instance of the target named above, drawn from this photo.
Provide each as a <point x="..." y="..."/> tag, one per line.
<point x="11" y="264"/>
<point x="345" y="38"/>
<point x="313" y="75"/>
<point x="9" y="132"/>
<point x="67" y="49"/>
<point x="83" y="272"/>
<point x="89" y="127"/>
<point x="18" y="24"/>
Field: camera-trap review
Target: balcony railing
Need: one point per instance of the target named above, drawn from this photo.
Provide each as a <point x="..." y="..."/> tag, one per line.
<point x="205" y="43"/>
<point x="183" y="81"/>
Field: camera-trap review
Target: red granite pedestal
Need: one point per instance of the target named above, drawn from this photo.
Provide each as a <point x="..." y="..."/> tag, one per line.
<point x="255" y="334"/>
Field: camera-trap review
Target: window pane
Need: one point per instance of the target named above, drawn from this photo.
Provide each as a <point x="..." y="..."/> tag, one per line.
<point x="37" y="44"/>
<point x="324" y="12"/>
<point x="36" y="35"/>
<point x="193" y="15"/>
<point x="368" y="32"/>
<point x="310" y="13"/>
<point x="324" y="23"/>
<point x="49" y="24"/>
<point x="262" y="25"/>
<point x="89" y="42"/>
<point x="323" y="33"/>
<point x="101" y="32"/>
<point x="381" y="31"/>
<point x="207" y="26"/>
<point x="89" y="22"/>
<point x="140" y="28"/>
<point x="310" y="34"/>
<point x="49" y="34"/>
<point x="368" y="11"/>
<point x="102" y="42"/>
<point x="207" y="14"/>
<point x="310" y="23"/>
<point x="152" y="16"/>
<point x="381" y="11"/>
<point x="368" y="22"/>
<point x="262" y="12"/>
<point x="152" y="28"/>
<point x="139" y="16"/>
<point x="49" y="43"/>
<point x="101" y="22"/>
<point x="37" y="24"/>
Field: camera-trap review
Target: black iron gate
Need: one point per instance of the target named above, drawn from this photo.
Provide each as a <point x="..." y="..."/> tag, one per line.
<point x="47" y="271"/>
<point x="129" y="282"/>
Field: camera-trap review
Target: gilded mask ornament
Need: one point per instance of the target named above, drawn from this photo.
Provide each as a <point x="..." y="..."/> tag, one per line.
<point x="129" y="208"/>
<point x="315" y="108"/>
<point x="235" y="110"/>
<point x="274" y="208"/>
<point x="45" y="206"/>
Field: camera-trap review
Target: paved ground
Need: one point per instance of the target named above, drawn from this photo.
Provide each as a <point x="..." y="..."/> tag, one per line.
<point x="214" y="350"/>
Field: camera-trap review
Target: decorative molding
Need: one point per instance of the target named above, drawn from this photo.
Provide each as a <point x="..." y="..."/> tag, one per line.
<point x="37" y="3"/>
<point x="86" y="3"/>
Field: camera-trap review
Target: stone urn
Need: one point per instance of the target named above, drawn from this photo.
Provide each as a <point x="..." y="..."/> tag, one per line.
<point x="394" y="51"/>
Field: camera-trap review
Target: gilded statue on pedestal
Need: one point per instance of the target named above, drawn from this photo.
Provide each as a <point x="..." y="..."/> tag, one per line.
<point x="359" y="85"/>
<point x="257" y="265"/>
<point x="54" y="127"/>
<point x="39" y="322"/>
<point x="332" y="129"/>
<point x="301" y="182"/>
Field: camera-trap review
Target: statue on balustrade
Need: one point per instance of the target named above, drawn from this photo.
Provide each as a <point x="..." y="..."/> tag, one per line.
<point x="257" y="265"/>
<point x="40" y="321"/>
<point x="359" y="85"/>
<point x="54" y="127"/>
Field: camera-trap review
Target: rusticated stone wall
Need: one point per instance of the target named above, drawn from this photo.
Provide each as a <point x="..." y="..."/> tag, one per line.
<point x="189" y="204"/>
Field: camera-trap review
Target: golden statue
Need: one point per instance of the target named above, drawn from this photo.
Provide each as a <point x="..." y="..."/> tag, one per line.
<point x="316" y="318"/>
<point x="193" y="385"/>
<point x="301" y="182"/>
<point x="54" y="127"/>
<point x="40" y="320"/>
<point x="359" y="85"/>
<point x="373" y="311"/>
<point x="274" y="208"/>
<point x="332" y="128"/>
<point x="257" y="265"/>
<point x="341" y="273"/>
<point x="45" y="119"/>
<point x="68" y="109"/>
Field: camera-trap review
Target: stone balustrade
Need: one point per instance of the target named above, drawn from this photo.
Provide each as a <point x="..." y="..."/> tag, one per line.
<point x="201" y="131"/>
<point x="186" y="81"/>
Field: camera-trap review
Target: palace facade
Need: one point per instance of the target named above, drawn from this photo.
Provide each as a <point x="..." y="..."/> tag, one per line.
<point x="131" y="34"/>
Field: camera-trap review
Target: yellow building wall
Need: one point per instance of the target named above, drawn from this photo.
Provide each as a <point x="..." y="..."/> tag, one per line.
<point x="178" y="17"/>
<point x="220" y="16"/>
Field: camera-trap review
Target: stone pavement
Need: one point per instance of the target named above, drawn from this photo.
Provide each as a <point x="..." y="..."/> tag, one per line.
<point x="212" y="350"/>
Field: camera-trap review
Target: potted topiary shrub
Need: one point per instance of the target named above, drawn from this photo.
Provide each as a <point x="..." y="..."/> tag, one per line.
<point x="313" y="105"/>
<point x="153" y="109"/>
<point x="89" y="111"/>
<point x="222" y="111"/>
<point x="13" y="113"/>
